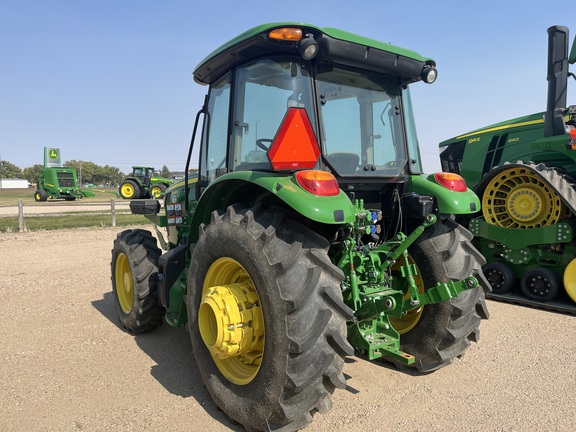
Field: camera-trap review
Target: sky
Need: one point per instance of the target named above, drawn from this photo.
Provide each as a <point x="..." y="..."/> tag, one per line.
<point x="110" y="81"/>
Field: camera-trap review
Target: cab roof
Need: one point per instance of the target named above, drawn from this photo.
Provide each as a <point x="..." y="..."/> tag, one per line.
<point x="336" y="46"/>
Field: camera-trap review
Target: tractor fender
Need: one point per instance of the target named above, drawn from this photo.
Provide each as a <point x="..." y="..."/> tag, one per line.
<point x="447" y="201"/>
<point x="248" y="187"/>
<point x="134" y="179"/>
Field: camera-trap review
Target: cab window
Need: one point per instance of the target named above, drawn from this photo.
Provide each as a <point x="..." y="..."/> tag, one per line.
<point x="215" y="132"/>
<point x="362" y="127"/>
<point x="264" y="91"/>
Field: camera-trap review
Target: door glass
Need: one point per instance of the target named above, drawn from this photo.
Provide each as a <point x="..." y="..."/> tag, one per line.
<point x="264" y="92"/>
<point x="215" y="132"/>
<point x="361" y="123"/>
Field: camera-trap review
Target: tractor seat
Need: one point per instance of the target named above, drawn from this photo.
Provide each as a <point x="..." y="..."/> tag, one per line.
<point x="254" y="161"/>
<point x="255" y="156"/>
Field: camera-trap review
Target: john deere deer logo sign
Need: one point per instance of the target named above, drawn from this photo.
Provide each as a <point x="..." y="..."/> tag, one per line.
<point x="51" y="157"/>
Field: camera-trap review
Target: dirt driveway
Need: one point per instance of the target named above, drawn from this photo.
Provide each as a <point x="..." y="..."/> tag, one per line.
<point x="65" y="365"/>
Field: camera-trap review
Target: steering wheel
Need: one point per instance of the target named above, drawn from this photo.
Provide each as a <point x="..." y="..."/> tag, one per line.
<point x="260" y="143"/>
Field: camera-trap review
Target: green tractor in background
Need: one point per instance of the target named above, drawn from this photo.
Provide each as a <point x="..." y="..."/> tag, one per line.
<point x="524" y="170"/>
<point x="143" y="183"/>
<point x="310" y="232"/>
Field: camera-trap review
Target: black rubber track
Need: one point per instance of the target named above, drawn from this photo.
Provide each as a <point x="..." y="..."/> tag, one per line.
<point x="304" y="318"/>
<point x="444" y="332"/>
<point x="565" y="187"/>
<point x="561" y="183"/>
<point x="142" y="252"/>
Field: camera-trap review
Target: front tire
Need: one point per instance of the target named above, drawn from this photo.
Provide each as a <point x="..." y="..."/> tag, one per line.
<point x="438" y="333"/>
<point x="157" y="191"/>
<point x="134" y="280"/>
<point x="289" y="350"/>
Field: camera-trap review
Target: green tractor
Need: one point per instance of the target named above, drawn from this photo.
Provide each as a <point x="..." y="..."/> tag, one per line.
<point x="143" y="183"/>
<point x="524" y="170"/>
<point x="310" y="232"/>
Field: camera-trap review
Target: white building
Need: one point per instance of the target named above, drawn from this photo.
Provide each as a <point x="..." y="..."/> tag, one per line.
<point x="13" y="183"/>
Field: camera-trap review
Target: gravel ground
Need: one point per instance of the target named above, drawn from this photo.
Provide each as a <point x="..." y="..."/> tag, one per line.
<point x="66" y="365"/>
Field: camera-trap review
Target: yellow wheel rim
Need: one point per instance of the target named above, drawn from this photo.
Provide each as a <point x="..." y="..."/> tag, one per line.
<point x="124" y="286"/>
<point x="127" y="190"/>
<point x="155" y="192"/>
<point x="518" y="198"/>
<point x="409" y="318"/>
<point x="570" y="279"/>
<point x="231" y="322"/>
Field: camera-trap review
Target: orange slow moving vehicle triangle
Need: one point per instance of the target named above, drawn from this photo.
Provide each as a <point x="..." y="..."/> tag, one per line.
<point x="295" y="146"/>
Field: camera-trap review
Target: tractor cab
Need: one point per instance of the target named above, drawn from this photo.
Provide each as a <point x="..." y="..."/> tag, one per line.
<point x="144" y="174"/>
<point x="307" y="107"/>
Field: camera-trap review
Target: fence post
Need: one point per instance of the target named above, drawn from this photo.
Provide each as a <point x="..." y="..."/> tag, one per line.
<point x="113" y="205"/>
<point x="20" y="216"/>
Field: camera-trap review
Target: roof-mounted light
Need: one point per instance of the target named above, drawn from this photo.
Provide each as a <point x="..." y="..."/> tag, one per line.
<point x="429" y="74"/>
<point x="308" y="47"/>
<point x="289" y="34"/>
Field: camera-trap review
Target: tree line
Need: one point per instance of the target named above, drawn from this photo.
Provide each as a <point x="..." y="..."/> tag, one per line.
<point x="87" y="172"/>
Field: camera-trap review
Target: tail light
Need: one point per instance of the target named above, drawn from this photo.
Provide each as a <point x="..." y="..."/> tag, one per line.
<point x="451" y="181"/>
<point x="572" y="143"/>
<point x="320" y="183"/>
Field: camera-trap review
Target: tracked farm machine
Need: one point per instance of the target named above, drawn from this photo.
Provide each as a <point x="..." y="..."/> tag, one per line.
<point x="524" y="170"/>
<point x="310" y="232"/>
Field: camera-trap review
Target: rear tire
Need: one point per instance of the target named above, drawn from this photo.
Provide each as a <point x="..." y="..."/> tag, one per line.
<point x="134" y="280"/>
<point x="444" y="330"/>
<point x="292" y="374"/>
<point x="129" y="189"/>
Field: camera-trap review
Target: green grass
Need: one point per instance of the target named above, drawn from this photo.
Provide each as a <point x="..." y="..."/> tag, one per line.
<point x="73" y="219"/>
<point x="35" y="223"/>
<point x="11" y="196"/>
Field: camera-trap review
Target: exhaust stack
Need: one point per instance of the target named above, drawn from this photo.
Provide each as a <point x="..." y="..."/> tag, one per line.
<point x="557" y="78"/>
